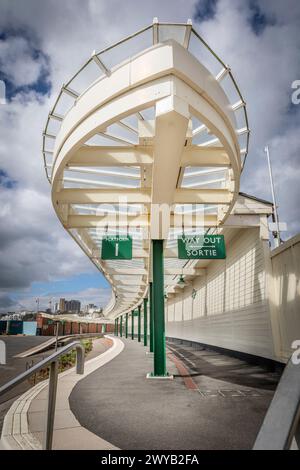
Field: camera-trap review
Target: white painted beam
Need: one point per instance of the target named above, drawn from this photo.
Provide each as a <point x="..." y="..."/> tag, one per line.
<point x="104" y="196"/>
<point x="202" y="196"/>
<point x="87" y="221"/>
<point x="204" y="156"/>
<point x="112" y="156"/>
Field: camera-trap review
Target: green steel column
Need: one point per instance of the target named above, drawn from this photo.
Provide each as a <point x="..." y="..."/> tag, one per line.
<point x="151" y="317"/>
<point x="145" y="322"/>
<point x="117" y="326"/>
<point x="132" y="324"/>
<point x="159" y="309"/>
<point x="115" y="333"/>
<point x="139" y="323"/>
<point x="126" y="325"/>
<point x="121" y="326"/>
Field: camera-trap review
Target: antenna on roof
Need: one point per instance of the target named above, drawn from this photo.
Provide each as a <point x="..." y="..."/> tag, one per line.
<point x="277" y="239"/>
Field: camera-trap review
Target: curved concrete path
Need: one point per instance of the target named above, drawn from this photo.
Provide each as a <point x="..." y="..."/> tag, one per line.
<point x="24" y="424"/>
<point x="196" y="410"/>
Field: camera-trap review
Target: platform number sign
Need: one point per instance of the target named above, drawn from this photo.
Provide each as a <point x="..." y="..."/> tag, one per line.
<point x="201" y="247"/>
<point x="116" y="247"/>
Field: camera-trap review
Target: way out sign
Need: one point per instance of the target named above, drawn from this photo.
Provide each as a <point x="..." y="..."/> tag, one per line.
<point x="116" y="247"/>
<point x="201" y="247"/>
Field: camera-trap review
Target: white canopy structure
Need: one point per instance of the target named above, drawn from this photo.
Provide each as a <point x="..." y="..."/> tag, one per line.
<point x="151" y="123"/>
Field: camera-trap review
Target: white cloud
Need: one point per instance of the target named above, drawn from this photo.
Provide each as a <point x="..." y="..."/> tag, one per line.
<point x="18" y="63"/>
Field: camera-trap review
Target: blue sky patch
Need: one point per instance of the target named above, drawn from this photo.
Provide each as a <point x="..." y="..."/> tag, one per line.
<point x="6" y="181"/>
<point x="205" y="10"/>
<point x="71" y="284"/>
<point x="258" y="20"/>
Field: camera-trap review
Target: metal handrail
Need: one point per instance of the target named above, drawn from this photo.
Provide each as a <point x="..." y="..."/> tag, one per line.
<point x="53" y="362"/>
<point x="282" y="421"/>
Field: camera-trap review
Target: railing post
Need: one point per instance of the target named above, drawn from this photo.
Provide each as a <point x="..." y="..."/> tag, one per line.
<point x="132" y="324"/>
<point x="159" y="310"/>
<point x="145" y="322"/>
<point x="126" y="325"/>
<point x="79" y="359"/>
<point x="151" y="317"/>
<point x="56" y="335"/>
<point x="139" y="323"/>
<point x="51" y="405"/>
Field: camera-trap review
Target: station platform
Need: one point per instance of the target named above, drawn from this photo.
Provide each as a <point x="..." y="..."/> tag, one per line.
<point x="213" y="402"/>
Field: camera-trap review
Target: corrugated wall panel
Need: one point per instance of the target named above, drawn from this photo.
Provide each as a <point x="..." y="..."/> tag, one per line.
<point x="234" y="292"/>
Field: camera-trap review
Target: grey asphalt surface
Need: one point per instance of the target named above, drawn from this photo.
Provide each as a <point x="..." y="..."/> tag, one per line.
<point x="225" y="411"/>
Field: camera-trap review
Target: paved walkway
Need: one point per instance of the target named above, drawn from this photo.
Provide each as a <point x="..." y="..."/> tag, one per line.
<point x="24" y="423"/>
<point x="214" y="401"/>
<point x="17" y="365"/>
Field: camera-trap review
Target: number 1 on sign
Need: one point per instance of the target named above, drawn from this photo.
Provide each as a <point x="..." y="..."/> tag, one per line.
<point x="117" y="249"/>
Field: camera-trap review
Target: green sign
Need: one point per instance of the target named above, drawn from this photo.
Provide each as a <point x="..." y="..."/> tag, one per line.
<point x="201" y="247"/>
<point x="116" y="247"/>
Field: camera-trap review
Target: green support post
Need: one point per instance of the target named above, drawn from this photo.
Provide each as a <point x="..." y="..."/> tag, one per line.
<point x="145" y="322"/>
<point x="117" y="326"/>
<point x="139" y="323"/>
<point x="151" y="317"/>
<point x="159" y="310"/>
<point x="126" y="325"/>
<point x="121" y="326"/>
<point x="132" y="324"/>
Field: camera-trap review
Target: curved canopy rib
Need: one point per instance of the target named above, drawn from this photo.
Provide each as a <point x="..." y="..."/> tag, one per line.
<point x="147" y="139"/>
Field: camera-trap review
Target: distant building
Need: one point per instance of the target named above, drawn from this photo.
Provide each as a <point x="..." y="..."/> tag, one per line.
<point x="70" y="306"/>
<point x="62" y="305"/>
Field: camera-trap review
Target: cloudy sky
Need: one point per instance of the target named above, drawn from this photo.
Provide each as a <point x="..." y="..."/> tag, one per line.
<point x="42" y="43"/>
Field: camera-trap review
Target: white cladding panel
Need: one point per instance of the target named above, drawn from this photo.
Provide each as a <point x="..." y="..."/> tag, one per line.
<point x="230" y="309"/>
